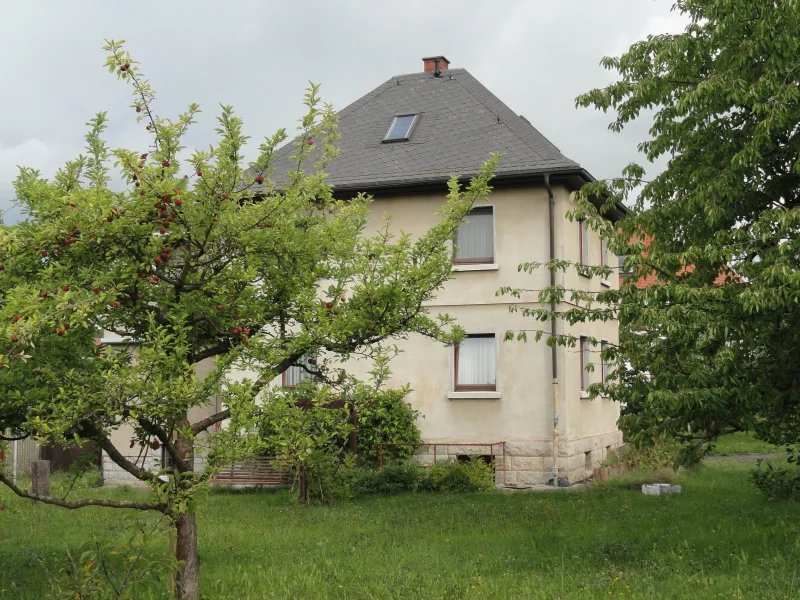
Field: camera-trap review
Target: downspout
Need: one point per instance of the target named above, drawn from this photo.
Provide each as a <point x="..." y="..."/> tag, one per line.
<point x="553" y="354"/>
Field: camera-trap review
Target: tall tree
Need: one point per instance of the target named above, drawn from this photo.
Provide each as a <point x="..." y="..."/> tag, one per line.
<point x="192" y="265"/>
<point x="711" y="344"/>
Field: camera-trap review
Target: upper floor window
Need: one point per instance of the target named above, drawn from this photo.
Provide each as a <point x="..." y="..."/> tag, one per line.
<point x="476" y="363"/>
<point x="624" y="269"/>
<point x="400" y="129"/>
<point x="583" y="233"/>
<point x="603" y="252"/>
<point x="475" y="237"/>
<point x="585" y="360"/>
<point x="297" y="373"/>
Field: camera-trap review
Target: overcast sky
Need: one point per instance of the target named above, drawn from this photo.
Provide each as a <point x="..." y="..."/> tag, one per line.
<point x="536" y="55"/>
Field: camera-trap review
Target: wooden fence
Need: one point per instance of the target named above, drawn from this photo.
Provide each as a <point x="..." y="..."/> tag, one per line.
<point x="19" y="456"/>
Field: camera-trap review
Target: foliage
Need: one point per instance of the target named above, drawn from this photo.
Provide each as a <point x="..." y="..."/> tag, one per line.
<point x="720" y="538"/>
<point x="386" y="417"/>
<point x="123" y="570"/>
<point x="208" y="259"/>
<point x="473" y="475"/>
<point x="709" y="348"/>
<point x="611" y="459"/>
<point x="391" y="479"/>
<point x="782" y="482"/>
<point x="658" y="453"/>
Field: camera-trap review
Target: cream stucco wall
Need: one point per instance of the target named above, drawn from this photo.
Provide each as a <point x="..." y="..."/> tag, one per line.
<point x="520" y="412"/>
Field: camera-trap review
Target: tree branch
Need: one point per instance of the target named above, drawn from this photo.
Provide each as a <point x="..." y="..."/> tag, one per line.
<point x="163" y="508"/>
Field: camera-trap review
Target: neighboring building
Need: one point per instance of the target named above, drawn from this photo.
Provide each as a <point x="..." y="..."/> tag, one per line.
<point x="400" y="143"/>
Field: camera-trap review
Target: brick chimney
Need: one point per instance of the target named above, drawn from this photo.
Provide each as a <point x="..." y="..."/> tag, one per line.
<point x="430" y="64"/>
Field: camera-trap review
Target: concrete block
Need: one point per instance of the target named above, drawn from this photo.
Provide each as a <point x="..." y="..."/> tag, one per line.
<point x="527" y="449"/>
<point x="527" y="463"/>
<point x="660" y="489"/>
<point x="532" y="477"/>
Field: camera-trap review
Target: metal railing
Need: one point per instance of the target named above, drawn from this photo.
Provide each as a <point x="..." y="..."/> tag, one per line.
<point x="491" y="446"/>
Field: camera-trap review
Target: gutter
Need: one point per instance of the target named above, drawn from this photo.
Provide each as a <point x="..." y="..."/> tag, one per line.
<point x="553" y="353"/>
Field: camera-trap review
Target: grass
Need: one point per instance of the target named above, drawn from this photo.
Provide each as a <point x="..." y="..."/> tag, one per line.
<point x="742" y="442"/>
<point x="720" y="539"/>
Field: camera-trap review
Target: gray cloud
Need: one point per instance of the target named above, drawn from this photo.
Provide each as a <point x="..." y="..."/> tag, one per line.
<point x="535" y="55"/>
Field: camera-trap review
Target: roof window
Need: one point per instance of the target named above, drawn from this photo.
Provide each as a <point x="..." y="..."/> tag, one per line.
<point x="400" y="129"/>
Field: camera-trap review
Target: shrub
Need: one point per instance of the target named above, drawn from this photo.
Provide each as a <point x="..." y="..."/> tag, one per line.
<point x="391" y="479"/>
<point x="612" y="458"/>
<point x="386" y="417"/>
<point x="779" y="482"/>
<point x="473" y="475"/>
<point x="658" y="454"/>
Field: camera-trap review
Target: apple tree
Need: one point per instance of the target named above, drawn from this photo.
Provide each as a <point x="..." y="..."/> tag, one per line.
<point x="201" y="259"/>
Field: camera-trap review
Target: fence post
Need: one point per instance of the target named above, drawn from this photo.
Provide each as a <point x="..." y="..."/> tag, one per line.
<point x="40" y="477"/>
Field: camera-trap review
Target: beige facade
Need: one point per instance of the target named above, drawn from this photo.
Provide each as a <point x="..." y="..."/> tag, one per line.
<point x="520" y="411"/>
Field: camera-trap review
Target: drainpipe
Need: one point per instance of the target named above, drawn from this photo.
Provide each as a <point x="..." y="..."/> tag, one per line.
<point x="553" y="354"/>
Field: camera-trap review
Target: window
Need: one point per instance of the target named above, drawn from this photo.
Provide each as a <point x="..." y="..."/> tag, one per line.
<point x="603" y="253"/>
<point x="400" y="129"/>
<point x="584" y="240"/>
<point x="585" y="360"/>
<point x="604" y="363"/>
<point x="295" y="374"/>
<point x="475" y="237"/>
<point x="476" y="363"/>
<point x="624" y="270"/>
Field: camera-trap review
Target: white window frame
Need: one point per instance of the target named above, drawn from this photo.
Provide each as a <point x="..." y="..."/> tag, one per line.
<point x="487" y="394"/>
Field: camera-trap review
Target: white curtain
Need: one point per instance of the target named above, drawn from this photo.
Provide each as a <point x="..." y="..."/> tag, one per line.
<point x="475" y="238"/>
<point x="584" y="243"/>
<point x="477" y="361"/>
<point x="586" y="375"/>
<point x="294" y="374"/>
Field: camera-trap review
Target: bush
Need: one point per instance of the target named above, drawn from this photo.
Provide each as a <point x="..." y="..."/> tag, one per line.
<point x="781" y="483"/>
<point x="386" y="417"/>
<point x="473" y="475"/>
<point x="658" y="454"/>
<point x="391" y="479"/>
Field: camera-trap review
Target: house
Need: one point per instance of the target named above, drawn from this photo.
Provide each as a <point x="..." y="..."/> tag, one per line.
<point x="400" y="143"/>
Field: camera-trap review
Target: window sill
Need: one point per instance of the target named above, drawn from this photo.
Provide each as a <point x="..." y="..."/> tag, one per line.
<point x="605" y="282"/>
<point x="585" y="395"/>
<point x="473" y="395"/>
<point x="476" y="267"/>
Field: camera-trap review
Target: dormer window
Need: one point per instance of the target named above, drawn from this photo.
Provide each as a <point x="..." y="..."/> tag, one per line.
<point x="400" y="129"/>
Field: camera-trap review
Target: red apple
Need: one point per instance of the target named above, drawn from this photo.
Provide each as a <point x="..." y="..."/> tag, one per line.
<point x="329" y="305"/>
<point x="44" y="252"/>
<point x="225" y="196"/>
<point x="138" y="109"/>
<point x="138" y="183"/>
<point x="2" y="268"/>
<point x="310" y="142"/>
<point x="178" y="202"/>
<point x="13" y="338"/>
<point x="219" y="307"/>
<point x="65" y="288"/>
<point x="157" y="260"/>
<point x="344" y="299"/>
<point x="162" y="231"/>
<point x="45" y="293"/>
<point x="199" y="173"/>
<point x="312" y="361"/>
<point x="165" y="164"/>
<point x="36" y="248"/>
<point x="143" y="156"/>
<point x="66" y="325"/>
<point x="260" y="179"/>
<point x="96" y="289"/>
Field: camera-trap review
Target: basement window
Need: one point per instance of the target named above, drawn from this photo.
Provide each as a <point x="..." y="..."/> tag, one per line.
<point x="400" y="129"/>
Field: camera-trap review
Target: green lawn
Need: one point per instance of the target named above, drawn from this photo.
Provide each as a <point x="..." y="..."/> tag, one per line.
<point x="719" y="539"/>
<point x="742" y="442"/>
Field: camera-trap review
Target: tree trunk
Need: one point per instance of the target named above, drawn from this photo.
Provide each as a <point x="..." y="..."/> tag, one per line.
<point x="186" y="551"/>
<point x="186" y="525"/>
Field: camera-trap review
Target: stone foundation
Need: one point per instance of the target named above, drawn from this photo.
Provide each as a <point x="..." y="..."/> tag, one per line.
<point x="527" y="463"/>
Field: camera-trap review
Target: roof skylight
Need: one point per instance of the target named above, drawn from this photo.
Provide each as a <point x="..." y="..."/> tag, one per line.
<point x="400" y="129"/>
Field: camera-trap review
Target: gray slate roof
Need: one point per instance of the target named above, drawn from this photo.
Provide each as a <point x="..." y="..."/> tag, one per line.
<point x="461" y="123"/>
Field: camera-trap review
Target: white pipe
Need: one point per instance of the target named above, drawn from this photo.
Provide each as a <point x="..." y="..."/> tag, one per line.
<point x="14" y="463"/>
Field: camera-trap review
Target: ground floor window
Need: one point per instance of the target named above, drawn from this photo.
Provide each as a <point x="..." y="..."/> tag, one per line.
<point x="476" y="363"/>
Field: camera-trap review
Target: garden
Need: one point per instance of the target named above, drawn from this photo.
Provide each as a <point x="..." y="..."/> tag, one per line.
<point x="720" y="538"/>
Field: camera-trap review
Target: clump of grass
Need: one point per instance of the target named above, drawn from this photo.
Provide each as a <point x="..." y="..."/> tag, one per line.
<point x="634" y="480"/>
